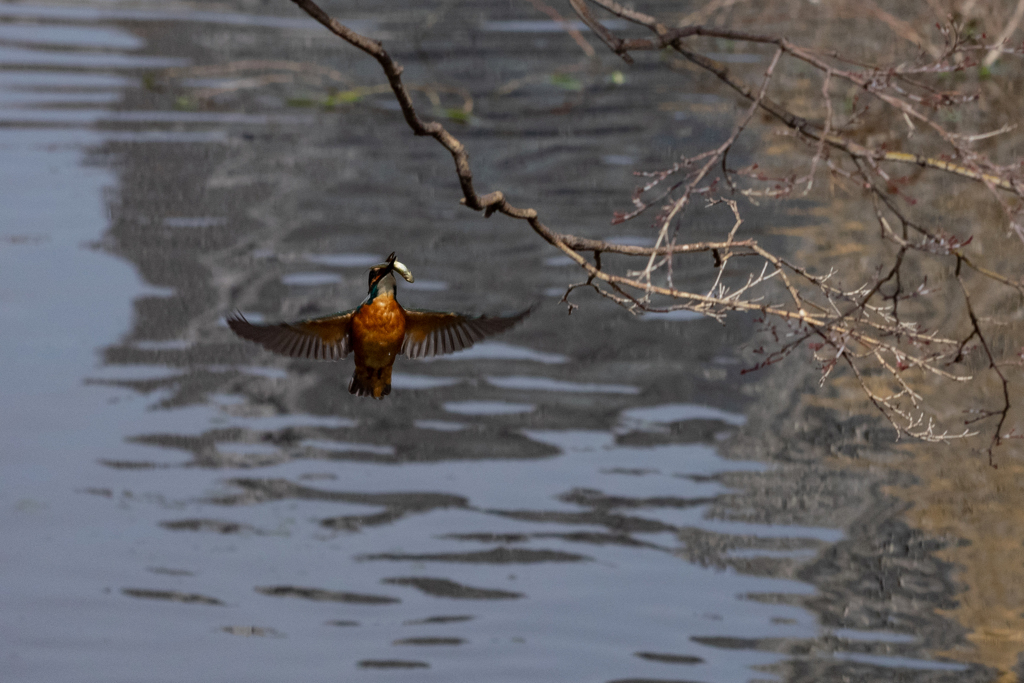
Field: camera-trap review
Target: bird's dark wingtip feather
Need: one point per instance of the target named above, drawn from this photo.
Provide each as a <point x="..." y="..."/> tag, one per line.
<point x="527" y="311"/>
<point x="520" y="315"/>
<point x="237" y="322"/>
<point x="243" y="328"/>
<point x="505" y="322"/>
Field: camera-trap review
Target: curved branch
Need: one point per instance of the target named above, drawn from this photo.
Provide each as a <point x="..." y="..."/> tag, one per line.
<point x="852" y="324"/>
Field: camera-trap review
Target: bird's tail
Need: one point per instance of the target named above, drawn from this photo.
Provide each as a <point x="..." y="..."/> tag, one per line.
<point x="374" y="382"/>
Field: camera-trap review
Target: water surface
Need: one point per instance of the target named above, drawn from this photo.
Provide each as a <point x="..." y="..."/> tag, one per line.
<point x="572" y="501"/>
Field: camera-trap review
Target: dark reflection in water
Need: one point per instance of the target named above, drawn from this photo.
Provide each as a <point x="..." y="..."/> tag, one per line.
<point x="392" y="664"/>
<point x="443" y="588"/>
<point x="174" y="596"/>
<point x="604" y="498"/>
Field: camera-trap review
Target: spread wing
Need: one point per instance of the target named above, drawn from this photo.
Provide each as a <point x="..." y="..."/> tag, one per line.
<point x="326" y="338"/>
<point x="433" y="333"/>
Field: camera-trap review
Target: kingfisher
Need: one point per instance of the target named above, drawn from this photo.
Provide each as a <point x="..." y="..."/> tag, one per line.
<point x="376" y="332"/>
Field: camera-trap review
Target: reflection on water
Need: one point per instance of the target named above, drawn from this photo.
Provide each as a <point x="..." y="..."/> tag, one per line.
<point x="677" y="412"/>
<point x="310" y="279"/>
<point x="401" y="381"/>
<point x="541" y="25"/>
<point x="488" y="407"/>
<point x="586" y="499"/>
<point x="523" y="383"/>
<point x="345" y="260"/>
<point x="440" y="425"/>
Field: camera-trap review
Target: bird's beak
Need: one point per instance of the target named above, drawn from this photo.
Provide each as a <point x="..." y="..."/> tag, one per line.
<point x="391" y="264"/>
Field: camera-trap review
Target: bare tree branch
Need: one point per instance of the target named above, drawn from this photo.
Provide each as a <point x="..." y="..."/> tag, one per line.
<point x="873" y="328"/>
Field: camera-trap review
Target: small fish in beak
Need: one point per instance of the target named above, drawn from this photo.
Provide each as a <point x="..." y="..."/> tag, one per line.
<point x="402" y="270"/>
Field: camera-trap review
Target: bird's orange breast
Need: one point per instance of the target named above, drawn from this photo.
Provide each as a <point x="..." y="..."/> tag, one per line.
<point x="377" y="332"/>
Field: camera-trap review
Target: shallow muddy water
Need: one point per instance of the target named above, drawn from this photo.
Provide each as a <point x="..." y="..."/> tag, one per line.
<point x="593" y="497"/>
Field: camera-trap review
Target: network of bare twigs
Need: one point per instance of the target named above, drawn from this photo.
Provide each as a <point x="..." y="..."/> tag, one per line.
<point x="870" y="328"/>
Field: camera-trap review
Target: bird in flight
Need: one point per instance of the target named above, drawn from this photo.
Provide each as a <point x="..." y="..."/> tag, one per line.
<point x="376" y="332"/>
